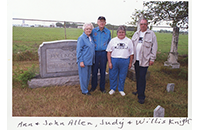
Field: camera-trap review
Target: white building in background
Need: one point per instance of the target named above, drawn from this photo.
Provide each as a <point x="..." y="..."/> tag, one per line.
<point x="25" y="25"/>
<point x="80" y="27"/>
<point x="36" y="25"/>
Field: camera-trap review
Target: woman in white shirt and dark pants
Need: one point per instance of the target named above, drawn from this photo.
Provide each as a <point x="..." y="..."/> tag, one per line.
<point x="120" y="56"/>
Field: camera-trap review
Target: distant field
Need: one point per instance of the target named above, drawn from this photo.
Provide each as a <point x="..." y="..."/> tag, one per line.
<point x="27" y="38"/>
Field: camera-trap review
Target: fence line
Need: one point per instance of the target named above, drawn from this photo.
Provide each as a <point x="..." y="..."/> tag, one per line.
<point x="48" y="21"/>
<point x="80" y="23"/>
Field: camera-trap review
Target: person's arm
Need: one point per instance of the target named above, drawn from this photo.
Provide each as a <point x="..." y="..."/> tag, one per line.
<point x="131" y="54"/>
<point x="109" y="60"/>
<point x="79" y="52"/>
<point x="82" y="64"/>
<point x="131" y="60"/>
<point x="109" y="51"/>
<point x="153" y="50"/>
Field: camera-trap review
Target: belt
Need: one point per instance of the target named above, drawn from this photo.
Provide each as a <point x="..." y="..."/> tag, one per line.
<point x="100" y="50"/>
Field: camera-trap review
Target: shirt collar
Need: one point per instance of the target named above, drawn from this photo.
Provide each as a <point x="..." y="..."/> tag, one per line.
<point x="147" y="31"/>
<point x="85" y="35"/>
<point x="100" y="30"/>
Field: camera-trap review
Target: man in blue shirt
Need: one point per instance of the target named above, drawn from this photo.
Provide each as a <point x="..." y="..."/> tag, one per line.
<point x="101" y="36"/>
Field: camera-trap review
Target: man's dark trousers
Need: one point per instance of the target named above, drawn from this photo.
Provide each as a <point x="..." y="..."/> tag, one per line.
<point x="100" y="62"/>
<point x="140" y="80"/>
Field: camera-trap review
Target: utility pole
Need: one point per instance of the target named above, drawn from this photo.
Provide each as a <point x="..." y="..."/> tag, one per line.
<point x="112" y="31"/>
<point x="65" y="29"/>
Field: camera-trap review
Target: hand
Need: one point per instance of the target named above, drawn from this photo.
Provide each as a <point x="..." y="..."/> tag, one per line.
<point x="130" y="65"/>
<point x="82" y="64"/>
<point x="151" y="63"/>
<point x="110" y="65"/>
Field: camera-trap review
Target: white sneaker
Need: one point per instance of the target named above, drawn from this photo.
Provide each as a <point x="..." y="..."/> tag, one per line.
<point x="122" y="93"/>
<point x="111" y="92"/>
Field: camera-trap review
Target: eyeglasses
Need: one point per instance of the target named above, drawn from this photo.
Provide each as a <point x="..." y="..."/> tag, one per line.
<point x="143" y="24"/>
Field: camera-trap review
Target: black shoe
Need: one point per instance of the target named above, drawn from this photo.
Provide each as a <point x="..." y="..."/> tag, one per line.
<point x="135" y="93"/>
<point x="86" y="93"/>
<point x="104" y="91"/>
<point x="91" y="90"/>
<point x="141" y="101"/>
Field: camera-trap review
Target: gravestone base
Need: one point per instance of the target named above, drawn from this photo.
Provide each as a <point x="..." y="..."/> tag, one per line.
<point x="172" y="61"/>
<point x="39" y="82"/>
<point x="131" y="74"/>
<point x="172" y="65"/>
<point x="55" y="81"/>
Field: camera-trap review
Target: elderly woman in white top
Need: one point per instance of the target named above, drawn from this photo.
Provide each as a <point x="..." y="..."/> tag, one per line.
<point x="120" y="57"/>
<point x="85" y="53"/>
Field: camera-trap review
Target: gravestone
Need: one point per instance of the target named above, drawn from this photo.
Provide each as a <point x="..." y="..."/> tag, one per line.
<point x="159" y="111"/>
<point x="170" y="87"/>
<point x="131" y="74"/>
<point x="58" y="64"/>
<point x="57" y="61"/>
<point x="58" y="58"/>
<point x="173" y="54"/>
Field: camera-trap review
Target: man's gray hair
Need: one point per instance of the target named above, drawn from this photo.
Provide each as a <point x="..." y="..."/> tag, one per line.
<point x="88" y="24"/>
<point x="143" y="18"/>
<point x="121" y="28"/>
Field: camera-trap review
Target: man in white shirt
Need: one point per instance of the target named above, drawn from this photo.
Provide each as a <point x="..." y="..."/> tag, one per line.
<point x="145" y="48"/>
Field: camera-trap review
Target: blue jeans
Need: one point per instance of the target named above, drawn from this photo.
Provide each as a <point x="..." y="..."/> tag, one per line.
<point x="140" y="80"/>
<point x="117" y="74"/>
<point x="100" y="63"/>
<point x="84" y="77"/>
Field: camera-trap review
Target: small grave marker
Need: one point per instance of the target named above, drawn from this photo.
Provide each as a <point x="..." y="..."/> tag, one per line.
<point x="170" y="87"/>
<point x="159" y="111"/>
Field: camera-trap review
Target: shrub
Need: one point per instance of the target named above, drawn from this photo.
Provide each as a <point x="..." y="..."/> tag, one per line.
<point x="25" y="56"/>
<point x="23" y="76"/>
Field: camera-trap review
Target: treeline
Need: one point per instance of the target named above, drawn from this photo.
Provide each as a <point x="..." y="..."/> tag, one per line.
<point x="109" y="26"/>
<point x="168" y="31"/>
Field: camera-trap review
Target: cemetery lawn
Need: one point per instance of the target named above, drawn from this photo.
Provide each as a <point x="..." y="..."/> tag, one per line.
<point x="68" y="101"/>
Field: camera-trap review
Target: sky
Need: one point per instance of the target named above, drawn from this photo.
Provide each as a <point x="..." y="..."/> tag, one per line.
<point x="117" y="12"/>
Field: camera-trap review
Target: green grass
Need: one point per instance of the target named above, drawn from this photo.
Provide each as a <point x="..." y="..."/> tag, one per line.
<point x="164" y="43"/>
<point x="68" y="100"/>
<point x="30" y="38"/>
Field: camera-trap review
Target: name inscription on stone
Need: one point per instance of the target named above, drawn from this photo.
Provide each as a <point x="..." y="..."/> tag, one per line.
<point x="58" y="58"/>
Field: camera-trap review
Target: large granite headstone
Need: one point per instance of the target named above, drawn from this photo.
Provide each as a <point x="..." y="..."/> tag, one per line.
<point x="57" y="61"/>
<point x="58" y="58"/>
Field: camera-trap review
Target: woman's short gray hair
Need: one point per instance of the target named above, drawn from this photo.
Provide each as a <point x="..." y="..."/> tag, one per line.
<point x="88" y="24"/>
<point x="123" y="28"/>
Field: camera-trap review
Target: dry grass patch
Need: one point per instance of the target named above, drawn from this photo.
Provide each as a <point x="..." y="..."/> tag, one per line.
<point x="69" y="101"/>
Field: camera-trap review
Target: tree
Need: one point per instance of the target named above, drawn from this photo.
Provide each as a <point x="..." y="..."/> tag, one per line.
<point x="73" y="25"/>
<point x="67" y="24"/>
<point x="59" y="25"/>
<point x="175" y="13"/>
